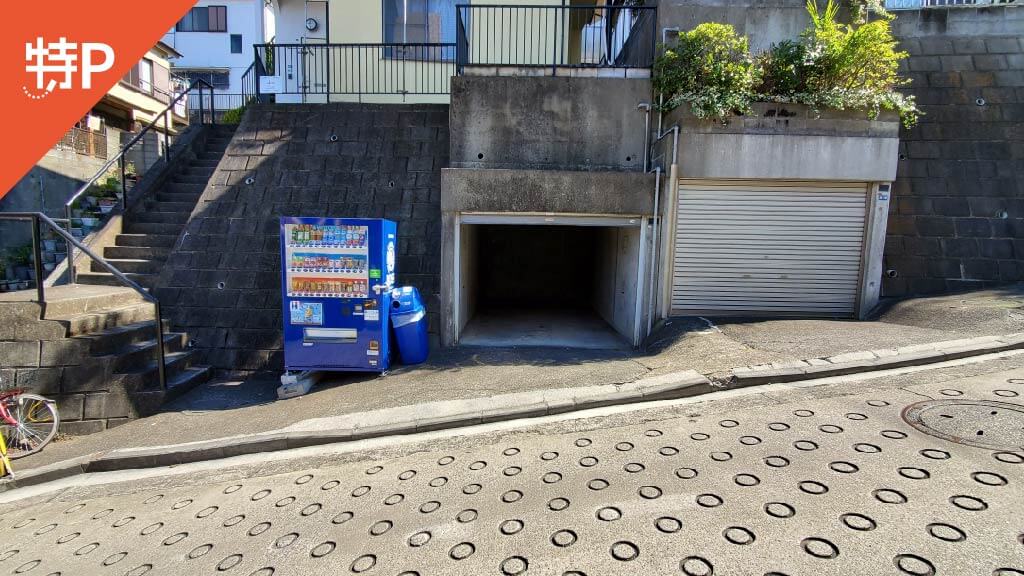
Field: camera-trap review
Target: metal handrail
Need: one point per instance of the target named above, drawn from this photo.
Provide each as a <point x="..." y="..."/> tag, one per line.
<point x="119" y="157"/>
<point x="36" y="218"/>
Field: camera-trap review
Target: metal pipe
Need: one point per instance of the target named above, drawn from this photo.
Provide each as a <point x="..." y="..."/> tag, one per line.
<point x="646" y="107"/>
<point x="661" y="97"/>
<point x="654" y="252"/>
<point x="124" y="186"/>
<point x="161" y="370"/>
<point x="70" y="246"/>
<point x="37" y="264"/>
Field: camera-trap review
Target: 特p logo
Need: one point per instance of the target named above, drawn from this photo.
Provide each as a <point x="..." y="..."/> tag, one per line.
<point x="55" y="64"/>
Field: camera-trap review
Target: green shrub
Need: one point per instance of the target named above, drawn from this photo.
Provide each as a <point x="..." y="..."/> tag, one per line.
<point x="834" y="65"/>
<point x="783" y="69"/>
<point x="233" y="116"/>
<point x="711" y="69"/>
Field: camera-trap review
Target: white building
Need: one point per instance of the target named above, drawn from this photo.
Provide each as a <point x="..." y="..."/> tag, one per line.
<point x="215" y="39"/>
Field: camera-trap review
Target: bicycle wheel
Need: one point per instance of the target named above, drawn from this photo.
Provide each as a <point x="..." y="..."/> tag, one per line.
<point x="34" y="423"/>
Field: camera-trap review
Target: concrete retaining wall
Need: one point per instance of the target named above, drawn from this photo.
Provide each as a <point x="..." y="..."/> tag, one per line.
<point x="222" y="280"/>
<point x="548" y="123"/>
<point x="957" y="216"/>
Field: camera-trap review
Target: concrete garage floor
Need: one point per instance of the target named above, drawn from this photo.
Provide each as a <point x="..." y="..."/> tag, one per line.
<point x="542" y="328"/>
<point x="231" y="407"/>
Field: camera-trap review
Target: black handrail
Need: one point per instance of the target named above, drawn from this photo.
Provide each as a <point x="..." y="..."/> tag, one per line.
<point x="36" y="218"/>
<point x="119" y="157"/>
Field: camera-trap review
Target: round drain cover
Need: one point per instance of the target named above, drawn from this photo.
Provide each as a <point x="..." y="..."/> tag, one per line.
<point x="981" y="423"/>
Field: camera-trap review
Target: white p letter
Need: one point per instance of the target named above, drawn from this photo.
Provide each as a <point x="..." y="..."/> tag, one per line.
<point x="89" y="67"/>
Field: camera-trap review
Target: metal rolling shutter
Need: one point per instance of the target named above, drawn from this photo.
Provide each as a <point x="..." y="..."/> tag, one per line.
<point x="768" y="249"/>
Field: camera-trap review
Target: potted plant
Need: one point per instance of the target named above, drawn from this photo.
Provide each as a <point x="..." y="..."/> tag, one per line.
<point x="131" y="176"/>
<point x="90" y="219"/>
<point x="107" y="203"/>
<point x="21" y="257"/>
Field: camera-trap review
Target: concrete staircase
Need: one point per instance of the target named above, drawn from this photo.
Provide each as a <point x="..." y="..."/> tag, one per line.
<point x="151" y="228"/>
<point x="94" y="351"/>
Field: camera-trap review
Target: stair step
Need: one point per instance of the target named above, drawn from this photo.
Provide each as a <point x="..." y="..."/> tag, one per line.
<point x="136" y="253"/>
<point x="206" y="162"/>
<point x="183" y="197"/>
<point x="110" y="340"/>
<point x="153" y="228"/>
<point x="71" y="299"/>
<point x="159" y="217"/>
<point x="95" y="322"/>
<point x="145" y="240"/>
<point x="183" y="188"/>
<point x="136" y="266"/>
<point x="205" y="171"/>
<point x="190" y="179"/>
<point x="185" y="381"/>
<point x="144" y="376"/>
<point x="101" y="279"/>
<point x="176" y="207"/>
<point x="135" y="357"/>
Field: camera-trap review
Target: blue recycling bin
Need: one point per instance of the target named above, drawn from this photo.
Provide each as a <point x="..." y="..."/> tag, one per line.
<point x="409" y="320"/>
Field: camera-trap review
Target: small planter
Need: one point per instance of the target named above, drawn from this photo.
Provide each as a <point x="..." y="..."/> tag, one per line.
<point x="49" y="257"/>
<point x="89" y="221"/>
<point x="106" y="208"/>
<point x="49" y="266"/>
<point x="23" y="285"/>
<point x="50" y="245"/>
<point x="76" y="233"/>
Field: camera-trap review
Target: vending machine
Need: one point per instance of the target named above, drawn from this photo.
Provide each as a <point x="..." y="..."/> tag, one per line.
<point x="337" y="275"/>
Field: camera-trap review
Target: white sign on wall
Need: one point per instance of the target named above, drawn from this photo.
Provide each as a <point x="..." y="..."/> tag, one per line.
<point x="270" y="84"/>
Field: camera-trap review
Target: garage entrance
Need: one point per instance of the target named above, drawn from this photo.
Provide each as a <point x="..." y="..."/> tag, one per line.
<point x="769" y="248"/>
<point x="567" y="282"/>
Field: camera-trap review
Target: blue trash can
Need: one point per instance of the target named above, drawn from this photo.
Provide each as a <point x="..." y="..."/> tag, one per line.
<point x="409" y="320"/>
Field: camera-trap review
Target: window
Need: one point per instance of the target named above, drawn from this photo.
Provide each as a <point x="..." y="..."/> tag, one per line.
<point x="421" y="22"/>
<point x="236" y="43"/>
<point x="204" y="19"/>
<point x="219" y="80"/>
<point x="140" y="76"/>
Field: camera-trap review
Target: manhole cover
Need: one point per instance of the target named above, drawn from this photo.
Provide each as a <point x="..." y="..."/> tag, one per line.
<point x="981" y="423"/>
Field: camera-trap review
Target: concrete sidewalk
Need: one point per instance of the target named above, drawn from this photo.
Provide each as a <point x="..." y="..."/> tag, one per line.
<point x="524" y="382"/>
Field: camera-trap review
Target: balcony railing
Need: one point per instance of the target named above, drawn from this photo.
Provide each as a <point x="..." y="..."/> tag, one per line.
<point x="555" y="36"/>
<point x="355" y="69"/>
<point x="85" y="142"/>
<point x="919" y="4"/>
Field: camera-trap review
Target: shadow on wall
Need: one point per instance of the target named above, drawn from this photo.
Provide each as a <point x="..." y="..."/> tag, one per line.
<point x="222" y="280"/>
<point x="41" y="190"/>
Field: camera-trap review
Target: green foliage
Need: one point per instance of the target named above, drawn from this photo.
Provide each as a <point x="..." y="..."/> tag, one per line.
<point x="783" y="69"/>
<point x="710" y="68"/>
<point x="233" y="116"/>
<point x="833" y="65"/>
<point x="21" y="255"/>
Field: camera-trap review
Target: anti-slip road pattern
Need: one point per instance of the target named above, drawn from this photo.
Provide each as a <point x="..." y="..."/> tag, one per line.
<point x="840" y="485"/>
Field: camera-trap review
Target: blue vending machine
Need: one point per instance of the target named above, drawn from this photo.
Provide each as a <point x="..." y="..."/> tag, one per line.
<point x="336" y="282"/>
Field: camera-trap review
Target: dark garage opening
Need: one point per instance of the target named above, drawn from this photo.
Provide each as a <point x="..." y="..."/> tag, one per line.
<point x="536" y="285"/>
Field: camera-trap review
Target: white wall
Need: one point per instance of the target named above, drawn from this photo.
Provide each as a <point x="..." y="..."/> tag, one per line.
<point x="213" y="49"/>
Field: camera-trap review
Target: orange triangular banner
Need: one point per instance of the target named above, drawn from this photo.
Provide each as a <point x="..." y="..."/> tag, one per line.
<point x="50" y="86"/>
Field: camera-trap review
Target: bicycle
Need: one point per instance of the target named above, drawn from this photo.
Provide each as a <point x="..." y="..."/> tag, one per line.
<point x="28" y="422"/>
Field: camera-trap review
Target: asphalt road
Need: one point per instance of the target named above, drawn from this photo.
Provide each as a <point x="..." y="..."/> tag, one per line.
<point x="825" y="479"/>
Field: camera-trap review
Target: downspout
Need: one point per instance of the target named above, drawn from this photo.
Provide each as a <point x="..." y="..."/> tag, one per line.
<point x="646" y="107"/>
<point x="670" y="227"/>
<point x="661" y="97"/>
<point x="668" y="231"/>
<point x="652" y="281"/>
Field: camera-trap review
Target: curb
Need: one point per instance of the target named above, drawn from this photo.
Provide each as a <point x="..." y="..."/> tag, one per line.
<point x="460" y="413"/>
<point x="375" y="424"/>
<point x="858" y="362"/>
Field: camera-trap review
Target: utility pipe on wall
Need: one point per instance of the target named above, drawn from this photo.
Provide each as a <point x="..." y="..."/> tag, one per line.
<point x="668" y="230"/>
<point x="653" y="292"/>
<point x="646" y="107"/>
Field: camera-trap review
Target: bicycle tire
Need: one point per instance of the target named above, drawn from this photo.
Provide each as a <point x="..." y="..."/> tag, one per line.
<point x="35" y="429"/>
